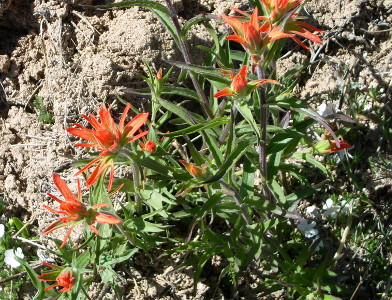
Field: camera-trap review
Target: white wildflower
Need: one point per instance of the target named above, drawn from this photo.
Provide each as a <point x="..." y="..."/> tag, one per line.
<point x="345" y="208"/>
<point x="319" y="245"/>
<point x="313" y="211"/>
<point x="325" y="110"/>
<point x="9" y="257"/>
<point x="2" y="230"/>
<point x="342" y="154"/>
<point x="308" y="229"/>
<point x="330" y="210"/>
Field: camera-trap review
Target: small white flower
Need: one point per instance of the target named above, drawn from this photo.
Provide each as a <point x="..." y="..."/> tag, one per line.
<point x="342" y="155"/>
<point x="308" y="228"/>
<point x="313" y="210"/>
<point x="2" y="230"/>
<point x="9" y="257"/>
<point x="325" y="110"/>
<point x="330" y="210"/>
<point x="345" y="208"/>
<point x="319" y="245"/>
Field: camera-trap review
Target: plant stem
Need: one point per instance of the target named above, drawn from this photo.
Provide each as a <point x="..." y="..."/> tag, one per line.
<point x="263" y="139"/>
<point x="185" y="53"/>
<point x="232" y="192"/>
<point x="136" y="182"/>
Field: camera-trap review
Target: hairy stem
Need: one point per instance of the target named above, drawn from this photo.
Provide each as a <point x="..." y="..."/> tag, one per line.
<point x="263" y="139"/>
<point x="187" y="57"/>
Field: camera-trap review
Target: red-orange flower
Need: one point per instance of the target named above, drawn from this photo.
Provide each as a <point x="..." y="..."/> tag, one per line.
<point x="334" y="147"/>
<point x="200" y="173"/>
<point x="64" y="277"/>
<point x="282" y="12"/>
<point x="149" y="146"/>
<point x="241" y="87"/>
<point x="253" y="37"/>
<point x="75" y="211"/>
<point x="109" y="138"/>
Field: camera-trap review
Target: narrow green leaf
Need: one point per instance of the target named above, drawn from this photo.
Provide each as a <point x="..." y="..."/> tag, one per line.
<point x="243" y="108"/>
<point x="19" y="225"/>
<point x="178" y="110"/>
<point x="210" y="204"/>
<point x="146" y="161"/>
<point x="198" y="127"/>
<point x="187" y="26"/>
<point x="212" y="74"/>
<point x="231" y="160"/>
<point x="278" y="191"/>
<point x="184" y="92"/>
<point x="197" y="157"/>
<point x="39" y="285"/>
<point x="213" y="147"/>
<point x="118" y="259"/>
<point x="314" y="162"/>
<point x="247" y="184"/>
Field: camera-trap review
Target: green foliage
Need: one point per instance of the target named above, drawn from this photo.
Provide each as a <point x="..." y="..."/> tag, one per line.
<point x="44" y="116"/>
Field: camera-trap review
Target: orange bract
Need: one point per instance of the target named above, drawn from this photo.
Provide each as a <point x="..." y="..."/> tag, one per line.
<point x="108" y="138"/>
<point x="64" y="277"/>
<point x="335" y="148"/>
<point x="75" y="211"/>
<point x="282" y="13"/>
<point x="241" y="87"/>
<point x="250" y="35"/>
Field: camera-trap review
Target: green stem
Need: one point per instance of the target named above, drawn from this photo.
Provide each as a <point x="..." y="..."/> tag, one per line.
<point x="186" y="54"/>
<point x="263" y="139"/>
<point x="136" y="182"/>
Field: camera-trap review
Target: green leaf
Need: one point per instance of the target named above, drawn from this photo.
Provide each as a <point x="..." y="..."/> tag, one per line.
<point x="180" y="111"/>
<point x="210" y="204"/>
<point x="146" y="161"/>
<point x="82" y="260"/>
<point x="231" y="160"/>
<point x="140" y="225"/>
<point x="198" y="127"/>
<point x="197" y="157"/>
<point x="212" y="74"/>
<point x="19" y="225"/>
<point x="243" y="108"/>
<point x="184" y="92"/>
<point x="247" y="184"/>
<point x="213" y="147"/>
<point x="187" y="26"/>
<point x="39" y="285"/>
<point x="278" y="191"/>
<point x="317" y="164"/>
<point x="126" y="255"/>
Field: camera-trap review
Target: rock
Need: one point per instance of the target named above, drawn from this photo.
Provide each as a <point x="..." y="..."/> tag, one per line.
<point x="4" y="63"/>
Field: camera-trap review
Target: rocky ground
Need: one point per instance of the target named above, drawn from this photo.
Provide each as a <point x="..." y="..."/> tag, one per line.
<point x="75" y="58"/>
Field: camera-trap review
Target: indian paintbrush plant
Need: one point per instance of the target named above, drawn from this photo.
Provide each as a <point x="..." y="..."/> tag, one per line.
<point x="224" y="174"/>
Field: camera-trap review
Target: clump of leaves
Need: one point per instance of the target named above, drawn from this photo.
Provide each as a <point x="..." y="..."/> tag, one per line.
<point x="44" y="116"/>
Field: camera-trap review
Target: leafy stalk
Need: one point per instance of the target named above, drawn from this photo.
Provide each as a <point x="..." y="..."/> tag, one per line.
<point x="263" y="138"/>
<point x="186" y="54"/>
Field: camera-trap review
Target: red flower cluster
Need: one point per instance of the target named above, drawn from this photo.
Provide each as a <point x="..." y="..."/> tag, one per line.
<point x="64" y="277"/>
<point x="280" y="21"/>
<point x="75" y="211"/>
<point x="241" y="87"/>
<point x="108" y="138"/>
